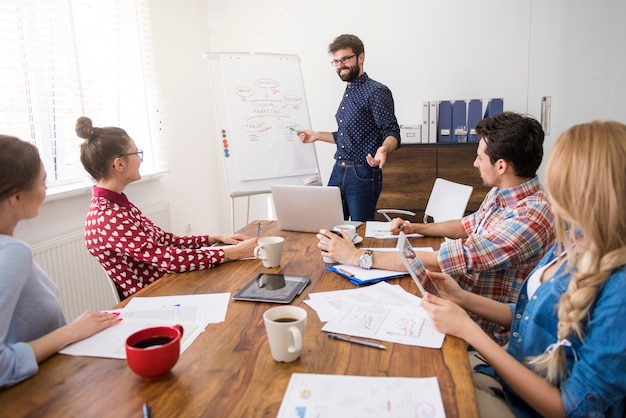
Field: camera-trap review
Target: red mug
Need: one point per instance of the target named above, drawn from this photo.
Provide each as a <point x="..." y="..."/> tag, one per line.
<point x="152" y="352"/>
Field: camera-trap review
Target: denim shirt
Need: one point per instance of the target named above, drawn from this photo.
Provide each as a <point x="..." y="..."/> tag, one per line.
<point x="596" y="381"/>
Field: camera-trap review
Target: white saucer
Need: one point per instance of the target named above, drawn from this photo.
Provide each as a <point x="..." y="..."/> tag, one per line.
<point x="357" y="239"/>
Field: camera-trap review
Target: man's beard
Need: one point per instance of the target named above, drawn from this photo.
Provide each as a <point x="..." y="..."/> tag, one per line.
<point x="352" y="74"/>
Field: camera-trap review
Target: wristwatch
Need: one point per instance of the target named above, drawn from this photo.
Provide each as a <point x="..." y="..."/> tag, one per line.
<point x="366" y="260"/>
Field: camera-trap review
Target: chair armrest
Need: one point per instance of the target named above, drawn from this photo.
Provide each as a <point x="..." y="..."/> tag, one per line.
<point x="385" y="212"/>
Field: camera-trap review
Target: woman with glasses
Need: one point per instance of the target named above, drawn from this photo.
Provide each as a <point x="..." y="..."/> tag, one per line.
<point x="32" y="325"/>
<point x="132" y="249"/>
<point x="567" y="351"/>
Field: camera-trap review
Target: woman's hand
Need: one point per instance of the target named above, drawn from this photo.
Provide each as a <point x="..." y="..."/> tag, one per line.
<point x="448" y="317"/>
<point x="89" y="323"/>
<point x="230" y="238"/>
<point x="243" y="249"/>
<point x="447" y="287"/>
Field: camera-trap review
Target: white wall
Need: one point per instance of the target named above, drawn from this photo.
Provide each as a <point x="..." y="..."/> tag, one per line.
<point x="577" y="56"/>
<point x="422" y="49"/>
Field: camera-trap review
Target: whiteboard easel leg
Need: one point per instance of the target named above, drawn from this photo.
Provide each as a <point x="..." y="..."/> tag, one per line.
<point x="232" y="214"/>
<point x="248" y="212"/>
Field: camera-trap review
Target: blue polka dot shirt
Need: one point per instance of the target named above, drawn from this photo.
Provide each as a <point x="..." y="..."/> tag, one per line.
<point x="364" y="119"/>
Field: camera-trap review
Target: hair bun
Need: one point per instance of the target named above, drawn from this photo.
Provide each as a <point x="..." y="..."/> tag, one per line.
<point x="84" y="127"/>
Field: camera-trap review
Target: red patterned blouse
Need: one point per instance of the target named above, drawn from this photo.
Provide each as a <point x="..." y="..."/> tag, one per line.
<point x="133" y="250"/>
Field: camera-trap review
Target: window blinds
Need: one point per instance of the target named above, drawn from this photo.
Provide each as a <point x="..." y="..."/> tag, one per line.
<point x="65" y="59"/>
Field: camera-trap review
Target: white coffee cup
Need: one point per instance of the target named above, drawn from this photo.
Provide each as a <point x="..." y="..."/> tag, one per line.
<point x="285" y="329"/>
<point x="270" y="250"/>
<point x="348" y="229"/>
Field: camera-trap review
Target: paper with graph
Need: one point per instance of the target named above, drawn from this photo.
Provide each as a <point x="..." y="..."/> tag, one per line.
<point x="382" y="311"/>
<point x="322" y="395"/>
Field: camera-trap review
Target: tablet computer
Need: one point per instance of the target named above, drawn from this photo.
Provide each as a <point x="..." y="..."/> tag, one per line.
<point x="411" y="261"/>
<point x="275" y="288"/>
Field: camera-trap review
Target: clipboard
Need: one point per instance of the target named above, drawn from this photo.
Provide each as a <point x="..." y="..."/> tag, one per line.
<point x="359" y="276"/>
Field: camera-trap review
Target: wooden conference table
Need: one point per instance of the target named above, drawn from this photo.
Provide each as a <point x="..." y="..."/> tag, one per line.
<point x="229" y="371"/>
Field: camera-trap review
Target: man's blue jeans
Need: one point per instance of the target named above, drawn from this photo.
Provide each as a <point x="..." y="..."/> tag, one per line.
<point x="360" y="187"/>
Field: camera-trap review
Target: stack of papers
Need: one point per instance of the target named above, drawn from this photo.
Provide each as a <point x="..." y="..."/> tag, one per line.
<point x="320" y="395"/>
<point x="382" y="311"/>
<point x="193" y="312"/>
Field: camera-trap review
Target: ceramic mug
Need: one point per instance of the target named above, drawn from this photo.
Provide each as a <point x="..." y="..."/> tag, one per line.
<point x="152" y="352"/>
<point x="285" y="328"/>
<point x="270" y="250"/>
<point x="348" y="229"/>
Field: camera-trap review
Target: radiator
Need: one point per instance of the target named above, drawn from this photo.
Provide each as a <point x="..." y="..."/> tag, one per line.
<point x="82" y="282"/>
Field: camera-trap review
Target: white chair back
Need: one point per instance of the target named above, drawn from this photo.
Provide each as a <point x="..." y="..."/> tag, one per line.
<point x="447" y="201"/>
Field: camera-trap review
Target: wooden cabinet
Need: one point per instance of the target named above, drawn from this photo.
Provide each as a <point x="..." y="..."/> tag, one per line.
<point x="410" y="172"/>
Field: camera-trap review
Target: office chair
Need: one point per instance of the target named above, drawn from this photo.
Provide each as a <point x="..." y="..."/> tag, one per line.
<point x="447" y="201"/>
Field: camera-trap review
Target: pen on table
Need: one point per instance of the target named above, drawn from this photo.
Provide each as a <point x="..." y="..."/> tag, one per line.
<point x="258" y="229"/>
<point x="146" y="410"/>
<point x="354" y="340"/>
<point x="346" y="272"/>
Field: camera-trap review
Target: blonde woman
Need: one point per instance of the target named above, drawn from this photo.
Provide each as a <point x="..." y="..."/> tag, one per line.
<point x="567" y="351"/>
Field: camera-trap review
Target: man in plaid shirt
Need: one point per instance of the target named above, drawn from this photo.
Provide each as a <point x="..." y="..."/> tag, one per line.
<point x="492" y="250"/>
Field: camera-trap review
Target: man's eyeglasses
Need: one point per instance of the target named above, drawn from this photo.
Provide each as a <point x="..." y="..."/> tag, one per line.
<point x="138" y="153"/>
<point x="343" y="60"/>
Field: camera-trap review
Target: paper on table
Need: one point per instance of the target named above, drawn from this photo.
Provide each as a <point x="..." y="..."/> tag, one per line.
<point x="408" y="325"/>
<point x="193" y="312"/>
<point x="329" y="304"/>
<point x="202" y="309"/>
<point x="380" y="230"/>
<point x="332" y="396"/>
<point x="111" y="342"/>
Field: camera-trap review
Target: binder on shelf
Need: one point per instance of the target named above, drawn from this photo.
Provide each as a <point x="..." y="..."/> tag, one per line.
<point x="494" y="106"/>
<point x="425" y="121"/>
<point x="459" y="117"/>
<point x="474" y="110"/>
<point x="444" y="116"/>
<point x="432" y="123"/>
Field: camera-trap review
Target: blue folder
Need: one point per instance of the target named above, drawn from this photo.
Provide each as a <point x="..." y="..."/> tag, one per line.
<point x="444" y="123"/>
<point x="459" y="116"/>
<point x="494" y="106"/>
<point x="474" y="112"/>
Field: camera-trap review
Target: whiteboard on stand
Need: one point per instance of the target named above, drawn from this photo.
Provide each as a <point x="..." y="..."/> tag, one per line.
<point x="260" y="105"/>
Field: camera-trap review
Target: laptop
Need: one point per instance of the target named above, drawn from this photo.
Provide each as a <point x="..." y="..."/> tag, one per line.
<point x="412" y="263"/>
<point x="307" y="208"/>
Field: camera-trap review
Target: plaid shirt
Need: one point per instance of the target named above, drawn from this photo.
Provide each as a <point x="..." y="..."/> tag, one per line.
<point x="507" y="236"/>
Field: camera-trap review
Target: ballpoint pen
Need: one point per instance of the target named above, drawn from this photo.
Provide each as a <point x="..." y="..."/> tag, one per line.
<point x="146" y="410"/>
<point x="354" y="340"/>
